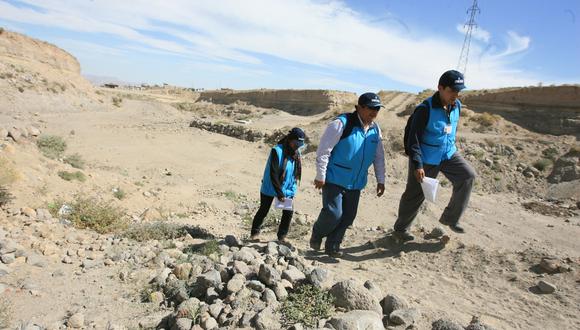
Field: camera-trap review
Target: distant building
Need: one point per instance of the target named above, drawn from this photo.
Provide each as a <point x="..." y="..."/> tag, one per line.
<point x="110" y="85"/>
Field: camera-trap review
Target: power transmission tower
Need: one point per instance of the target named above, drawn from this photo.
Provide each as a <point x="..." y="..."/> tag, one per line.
<point x="470" y="26"/>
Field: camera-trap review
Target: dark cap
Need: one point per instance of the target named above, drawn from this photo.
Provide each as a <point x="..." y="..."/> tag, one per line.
<point x="453" y="79"/>
<point x="370" y="100"/>
<point x="297" y="133"/>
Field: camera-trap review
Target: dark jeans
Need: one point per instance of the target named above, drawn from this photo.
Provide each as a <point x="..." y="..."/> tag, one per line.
<point x="265" y="203"/>
<point x="461" y="175"/>
<point x="339" y="207"/>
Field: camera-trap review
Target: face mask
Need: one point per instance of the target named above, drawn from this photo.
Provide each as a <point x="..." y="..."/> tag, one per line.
<point x="302" y="148"/>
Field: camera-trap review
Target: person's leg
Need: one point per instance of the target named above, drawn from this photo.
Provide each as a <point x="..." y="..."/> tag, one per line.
<point x="412" y="198"/>
<point x="462" y="175"/>
<point x="265" y="203"/>
<point x="284" y="224"/>
<point x="350" y="200"/>
<point x="330" y="213"/>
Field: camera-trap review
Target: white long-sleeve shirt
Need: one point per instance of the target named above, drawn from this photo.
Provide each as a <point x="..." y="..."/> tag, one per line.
<point x="330" y="138"/>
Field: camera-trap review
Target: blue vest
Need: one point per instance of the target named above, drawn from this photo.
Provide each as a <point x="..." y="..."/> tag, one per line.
<point x="352" y="156"/>
<point x="289" y="184"/>
<point x="438" y="145"/>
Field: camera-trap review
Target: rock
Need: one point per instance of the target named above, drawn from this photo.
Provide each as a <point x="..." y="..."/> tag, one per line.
<point x="29" y="212"/>
<point x="151" y="214"/>
<point x="161" y="278"/>
<point x="268" y="275"/>
<point x="320" y="277"/>
<point x="156" y="297"/>
<point x="244" y="255"/>
<point x="216" y="308"/>
<point x="36" y="260"/>
<point x="392" y="303"/>
<point x="256" y="285"/>
<point x="272" y="249"/>
<point x="236" y="283"/>
<point x="67" y="260"/>
<point x="188" y="308"/>
<point x="76" y="320"/>
<point x="293" y="275"/>
<point x="232" y="240"/>
<point x="351" y="295"/>
<point x="280" y="291"/>
<point x="89" y="264"/>
<point x="182" y="271"/>
<point x="241" y="268"/>
<point x="488" y="162"/>
<point x="246" y="319"/>
<point x="437" y="232"/>
<point x="43" y="215"/>
<point x="357" y="319"/>
<point x="443" y="324"/>
<point x="476" y="324"/>
<point x="209" y="323"/>
<point x="284" y="251"/>
<point x="15" y="134"/>
<point x="267" y="320"/>
<point x="182" y="324"/>
<point x="404" y="316"/>
<point x="210" y="279"/>
<point x="4" y="270"/>
<point x="8" y="258"/>
<point x="546" y="287"/>
<point x="374" y="289"/>
<point x="550" y="265"/>
<point x="269" y="297"/>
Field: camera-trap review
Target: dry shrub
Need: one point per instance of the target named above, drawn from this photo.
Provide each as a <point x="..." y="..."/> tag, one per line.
<point x="8" y="173"/>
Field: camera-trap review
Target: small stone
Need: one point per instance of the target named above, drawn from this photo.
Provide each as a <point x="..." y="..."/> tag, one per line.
<point x="443" y="324"/>
<point x="550" y="265"/>
<point x="151" y="214"/>
<point x="36" y="260"/>
<point x="268" y="275"/>
<point x="183" y="323"/>
<point x="182" y="271"/>
<point x="232" y="240"/>
<point x="269" y="297"/>
<point x="209" y="323"/>
<point x="280" y="291"/>
<point x="392" y="303"/>
<point x="405" y="316"/>
<point x="29" y="212"/>
<point x="357" y="319"/>
<point x="236" y="283"/>
<point x="67" y="260"/>
<point x="284" y="251"/>
<point x="256" y="285"/>
<point x="4" y="270"/>
<point x="437" y="232"/>
<point x="546" y="287"/>
<point x="293" y="275"/>
<point x="76" y="320"/>
<point x="8" y="258"/>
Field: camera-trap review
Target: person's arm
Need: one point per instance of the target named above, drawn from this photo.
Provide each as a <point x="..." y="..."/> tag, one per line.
<point x="379" y="164"/>
<point x="329" y="139"/>
<point x="275" y="174"/>
<point x="415" y="133"/>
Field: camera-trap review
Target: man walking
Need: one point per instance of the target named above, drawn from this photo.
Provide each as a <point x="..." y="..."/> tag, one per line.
<point x="349" y="145"/>
<point x="431" y="149"/>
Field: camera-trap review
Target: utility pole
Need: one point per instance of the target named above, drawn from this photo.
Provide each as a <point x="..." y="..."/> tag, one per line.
<point x="470" y="26"/>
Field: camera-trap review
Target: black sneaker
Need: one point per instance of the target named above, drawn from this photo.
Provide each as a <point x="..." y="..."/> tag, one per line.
<point x="333" y="253"/>
<point x="403" y="236"/>
<point x="315" y="245"/>
<point x="455" y="227"/>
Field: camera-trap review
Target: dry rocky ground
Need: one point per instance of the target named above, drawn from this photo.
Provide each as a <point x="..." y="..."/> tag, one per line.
<point x="129" y="208"/>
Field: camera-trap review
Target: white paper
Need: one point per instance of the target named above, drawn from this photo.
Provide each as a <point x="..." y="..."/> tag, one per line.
<point x="429" y="186"/>
<point x="287" y="204"/>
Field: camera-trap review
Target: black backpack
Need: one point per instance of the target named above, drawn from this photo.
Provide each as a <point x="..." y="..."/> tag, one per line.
<point x="425" y="105"/>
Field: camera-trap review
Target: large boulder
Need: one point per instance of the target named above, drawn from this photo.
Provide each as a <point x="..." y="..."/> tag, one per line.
<point x="357" y="319"/>
<point x="352" y="295"/>
<point x="444" y="324"/>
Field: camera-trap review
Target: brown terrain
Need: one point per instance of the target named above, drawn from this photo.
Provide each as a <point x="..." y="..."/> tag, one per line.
<point x="160" y="159"/>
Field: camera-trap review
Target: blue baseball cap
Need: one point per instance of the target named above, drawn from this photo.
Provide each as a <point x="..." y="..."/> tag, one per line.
<point x="370" y="100"/>
<point x="453" y="79"/>
<point x="297" y="133"/>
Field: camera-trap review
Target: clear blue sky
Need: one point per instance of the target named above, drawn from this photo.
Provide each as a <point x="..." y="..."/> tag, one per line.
<point x="344" y="45"/>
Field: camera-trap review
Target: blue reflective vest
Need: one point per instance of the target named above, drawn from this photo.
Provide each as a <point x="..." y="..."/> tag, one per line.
<point x="289" y="185"/>
<point x="437" y="141"/>
<point x="352" y="156"/>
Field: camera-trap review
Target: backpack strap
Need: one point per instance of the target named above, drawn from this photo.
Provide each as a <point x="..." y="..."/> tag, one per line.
<point x="351" y="120"/>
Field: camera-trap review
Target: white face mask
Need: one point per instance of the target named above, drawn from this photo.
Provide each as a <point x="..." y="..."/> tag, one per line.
<point x="302" y="149"/>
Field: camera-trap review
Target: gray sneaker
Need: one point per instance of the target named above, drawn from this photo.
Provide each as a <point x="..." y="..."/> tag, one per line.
<point x="403" y="236"/>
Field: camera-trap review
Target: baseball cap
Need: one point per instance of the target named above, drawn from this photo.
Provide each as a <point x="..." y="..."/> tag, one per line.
<point x="297" y="133"/>
<point x="370" y="100"/>
<point x="453" y="79"/>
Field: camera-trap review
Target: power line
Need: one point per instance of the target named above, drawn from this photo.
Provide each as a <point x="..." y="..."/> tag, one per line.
<point x="470" y="26"/>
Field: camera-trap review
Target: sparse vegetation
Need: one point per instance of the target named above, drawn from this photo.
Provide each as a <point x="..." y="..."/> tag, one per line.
<point x="271" y="221"/>
<point x="209" y="248"/>
<point x="550" y="153"/>
<point x="75" y="160"/>
<point x="307" y="305"/>
<point x="51" y="146"/>
<point x="90" y="213"/>
<point x="69" y="176"/>
<point x="117" y="101"/>
<point x="5" y="196"/>
<point x="158" y="230"/>
<point x="486" y="119"/>
<point x="543" y="164"/>
<point x="232" y="196"/>
<point x="119" y="193"/>
<point x="8" y="173"/>
<point x="5" y="312"/>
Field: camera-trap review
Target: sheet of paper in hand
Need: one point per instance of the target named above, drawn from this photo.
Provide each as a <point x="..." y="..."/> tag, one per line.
<point x="287" y="204"/>
<point x="429" y="186"/>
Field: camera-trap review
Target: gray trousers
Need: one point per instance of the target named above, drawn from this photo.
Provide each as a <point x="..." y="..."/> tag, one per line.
<point x="461" y="175"/>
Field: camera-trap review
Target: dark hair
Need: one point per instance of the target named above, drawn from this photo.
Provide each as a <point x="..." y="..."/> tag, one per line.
<point x="289" y="152"/>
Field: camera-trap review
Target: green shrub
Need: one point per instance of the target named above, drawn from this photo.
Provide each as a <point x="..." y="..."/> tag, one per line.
<point x="117" y="101"/>
<point x="158" y="230"/>
<point x="100" y="216"/>
<point x="307" y="305"/>
<point x="69" y="176"/>
<point x="75" y="160"/>
<point x="119" y="193"/>
<point x="51" y="146"/>
<point x="486" y="119"/>
<point x="208" y="248"/>
<point x="543" y="164"/>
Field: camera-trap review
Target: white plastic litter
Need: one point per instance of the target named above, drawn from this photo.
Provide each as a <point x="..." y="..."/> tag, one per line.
<point x="287" y="204"/>
<point x="429" y="186"/>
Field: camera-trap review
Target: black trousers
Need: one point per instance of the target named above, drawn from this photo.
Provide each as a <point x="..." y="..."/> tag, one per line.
<point x="265" y="203"/>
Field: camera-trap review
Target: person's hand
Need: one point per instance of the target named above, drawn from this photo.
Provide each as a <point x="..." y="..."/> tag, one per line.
<point x="419" y="174"/>
<point x="380" y="189"/>
<point x="318" y="184"/>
